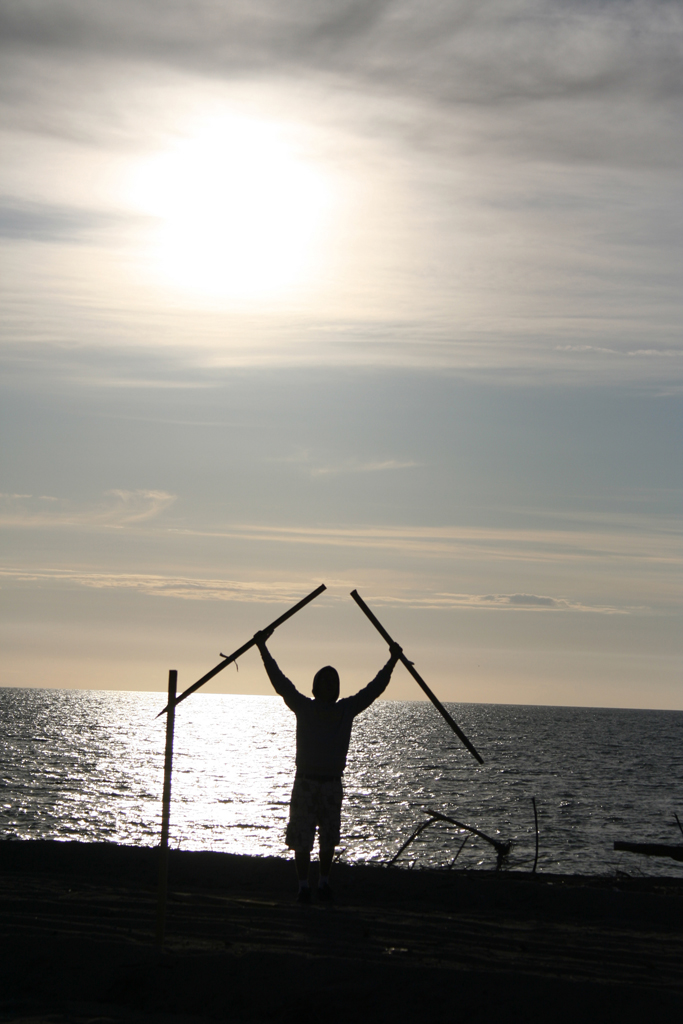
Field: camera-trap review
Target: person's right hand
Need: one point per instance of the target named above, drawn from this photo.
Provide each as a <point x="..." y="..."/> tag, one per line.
<point x="262" y="636"/>
<point x="395" y="650"/>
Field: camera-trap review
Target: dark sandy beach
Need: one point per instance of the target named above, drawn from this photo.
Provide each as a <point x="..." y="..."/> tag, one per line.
<point x="78" y="920"/>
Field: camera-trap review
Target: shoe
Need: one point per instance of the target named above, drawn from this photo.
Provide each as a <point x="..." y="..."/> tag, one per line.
<point x="304" y="895"/>
<point x="325" y="894"/>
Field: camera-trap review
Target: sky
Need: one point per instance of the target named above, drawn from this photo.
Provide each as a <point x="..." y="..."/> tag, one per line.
<point x="380" y="294"/>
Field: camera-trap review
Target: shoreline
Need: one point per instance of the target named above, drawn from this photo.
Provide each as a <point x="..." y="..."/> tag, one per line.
<point x="398" y="945"/>
<point x="207" y="867"/>
<point x="65" y="855"/>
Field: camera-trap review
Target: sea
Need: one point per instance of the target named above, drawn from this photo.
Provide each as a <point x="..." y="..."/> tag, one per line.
<point x="87" y="765"/>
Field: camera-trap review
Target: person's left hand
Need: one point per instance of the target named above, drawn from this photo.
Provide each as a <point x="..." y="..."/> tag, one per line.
<point x="395" y="650"/>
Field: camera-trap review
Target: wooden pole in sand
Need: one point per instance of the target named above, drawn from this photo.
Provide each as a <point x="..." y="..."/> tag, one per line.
<point x="166" y="809"/>
<point x="533" y="800"/>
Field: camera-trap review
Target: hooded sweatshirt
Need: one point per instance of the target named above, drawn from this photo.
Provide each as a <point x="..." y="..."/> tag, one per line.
<point x="323" y="731"/>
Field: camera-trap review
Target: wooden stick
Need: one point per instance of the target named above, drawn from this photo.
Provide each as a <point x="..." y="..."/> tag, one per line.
<point x="245" y="647"/>
<point x="533" y="800"/>
<point x="166" y="810"/>
<point x="417" y="677"/>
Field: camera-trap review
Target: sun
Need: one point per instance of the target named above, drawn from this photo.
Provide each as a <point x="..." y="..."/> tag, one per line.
<point x="239" y="214"/>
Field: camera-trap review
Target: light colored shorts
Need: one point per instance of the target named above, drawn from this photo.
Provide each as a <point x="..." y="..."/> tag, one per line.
<point x="314" y="803"/>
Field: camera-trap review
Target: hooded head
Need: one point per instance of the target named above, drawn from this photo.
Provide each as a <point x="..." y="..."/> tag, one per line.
<point x="326" y="685"/>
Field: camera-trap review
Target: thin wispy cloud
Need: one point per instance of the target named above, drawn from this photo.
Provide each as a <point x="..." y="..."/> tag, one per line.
<point x="44" y="222"/>
<point x="625" y="353"/>
<point x="317" y="466"/>
<point x="474" y="542"/>
<point x="119" y="508"/>
<point x="197" y="589"/>
<point x="501" y="602"/>
<point x="361" y="467"/>
<point x="155" y="585"/>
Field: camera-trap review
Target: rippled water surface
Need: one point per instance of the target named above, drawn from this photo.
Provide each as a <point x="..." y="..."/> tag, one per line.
<point x="88" y="765"/>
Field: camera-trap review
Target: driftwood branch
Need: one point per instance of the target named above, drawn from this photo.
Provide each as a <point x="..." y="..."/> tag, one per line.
<point x="502" y="848"/>
<point x="651" y="849"/>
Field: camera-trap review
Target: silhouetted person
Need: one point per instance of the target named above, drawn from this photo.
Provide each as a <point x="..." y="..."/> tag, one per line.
<point x="323" y="732"/>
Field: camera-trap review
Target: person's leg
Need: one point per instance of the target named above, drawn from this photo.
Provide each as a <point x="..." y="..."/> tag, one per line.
<point x="301" y="833"/>
<point x="324" y="890"/>
<point x="329" y="819"/>
<point x="326" y="858"/>
<point x="302" y="859"/>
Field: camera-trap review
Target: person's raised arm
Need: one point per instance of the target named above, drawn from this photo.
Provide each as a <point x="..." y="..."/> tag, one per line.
<point x="281" y="684"/>
<point x="364" y="698"/>
<point x="261" y="639"/>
